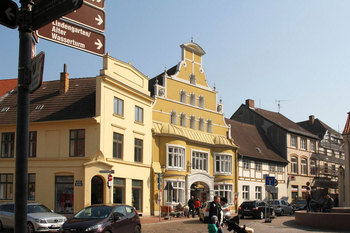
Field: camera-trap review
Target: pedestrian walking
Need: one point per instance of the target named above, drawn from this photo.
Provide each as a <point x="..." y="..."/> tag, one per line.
<point x="308" y="201"/>
<point x="197" y="204"/>
<point x="191" y="206"/>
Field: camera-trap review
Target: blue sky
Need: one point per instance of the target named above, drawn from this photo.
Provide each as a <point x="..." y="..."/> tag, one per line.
<point x="296" y="51"/>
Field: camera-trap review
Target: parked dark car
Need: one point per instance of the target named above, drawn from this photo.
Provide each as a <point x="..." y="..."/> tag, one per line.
<point x="255" y="209"/>
<point x="299" y="204"/>
<point x="39" y="218"/>
<point x="104" y="218"/>
<point x="282" y="207"/>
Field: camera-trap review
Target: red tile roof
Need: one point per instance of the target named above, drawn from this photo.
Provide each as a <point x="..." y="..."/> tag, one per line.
<point x="283" y="122"/>
<point x="251" y="143"/>
<point x="47" y="104"/>
<point x="347" y="126"/>
<point x="6" y="85"/>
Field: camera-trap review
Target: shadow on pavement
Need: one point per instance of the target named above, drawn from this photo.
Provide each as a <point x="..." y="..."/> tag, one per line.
<point x="293" y="224"/>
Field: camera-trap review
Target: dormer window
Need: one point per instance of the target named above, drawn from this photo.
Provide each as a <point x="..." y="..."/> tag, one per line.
<point x="39" y="107"/>
<point x="5" y="109"/>
<point x="193" y="79"/>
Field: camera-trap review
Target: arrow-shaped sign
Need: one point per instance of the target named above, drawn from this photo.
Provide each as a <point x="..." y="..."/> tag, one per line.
<point x="8" y="13"/>
<point x="99" y="44"/>
<point x="99" y="19"/>
<point x="88" y="16"/>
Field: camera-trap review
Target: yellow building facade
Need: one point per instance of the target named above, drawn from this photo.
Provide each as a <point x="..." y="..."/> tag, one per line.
<point x="192" y="148"/>
<point x="82" y="131"/>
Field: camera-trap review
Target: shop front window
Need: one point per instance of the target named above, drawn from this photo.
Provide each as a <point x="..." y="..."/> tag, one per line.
<point x="64" y="186"/>
<point x="119" y="190"/>
<point x="137" y="194"/>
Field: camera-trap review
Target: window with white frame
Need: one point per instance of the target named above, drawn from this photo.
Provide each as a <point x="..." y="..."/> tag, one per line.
<point x="173" y="118"/>
<point x="303" y="143"/>
<point x="201" y="124"/>
<point x="177" y="194"/>
<point x="193" y="99"/>
<point x="199" y="161"/>
<point x="183" y="97"/>
<point x="312" y="146"/>
<point x="138" y="114"/>
<point x="258" y="192"/>
<point x="183" y="119"/>
<point x="192" y="122"/>
<point x="303" y="166"/>
<point x="176" y="157"/>
<point x="245" y="192"/>
<point x="224" y="190"/>
<point x="312" y="167"/>
<point x="258" y="166"/>
<point x="246" y="164"/>
<point x="280" y="168"/>
<point x="294" y="165"/>
<point x="201" y="101"/>
<point x="293" y="140"/>
<point x="223" y="163"/>
<point x="209" y="126"/>
<point x="118" y="106"/>
<point x="272" y="167"/>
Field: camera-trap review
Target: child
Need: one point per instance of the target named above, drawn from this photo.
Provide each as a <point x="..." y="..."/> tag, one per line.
<point x="212" y="228"/>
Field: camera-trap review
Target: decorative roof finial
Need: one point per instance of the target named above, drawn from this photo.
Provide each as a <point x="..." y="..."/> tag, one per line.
<point x="214" y="87"/>
<point x="220" y="100"/>
<point x="192" y="38"/>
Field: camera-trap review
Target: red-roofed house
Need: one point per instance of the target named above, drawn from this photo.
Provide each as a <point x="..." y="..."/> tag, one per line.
<point x="6" y="85"/>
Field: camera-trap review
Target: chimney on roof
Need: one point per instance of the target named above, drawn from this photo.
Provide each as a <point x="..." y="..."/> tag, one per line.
<point x="250" y="103"/>
<point x="64" y="80"/>
<point x="311" y="120"/>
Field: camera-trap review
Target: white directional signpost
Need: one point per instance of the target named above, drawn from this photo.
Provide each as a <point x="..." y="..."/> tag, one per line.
<point x="8" y="13"/>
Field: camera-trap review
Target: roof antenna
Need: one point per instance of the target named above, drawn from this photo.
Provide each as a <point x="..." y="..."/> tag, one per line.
<point x="192" y="38"/>
<point x="279" y="104"/>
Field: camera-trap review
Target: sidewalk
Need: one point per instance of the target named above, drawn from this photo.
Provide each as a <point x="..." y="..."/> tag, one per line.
<point x="155" y="219"/>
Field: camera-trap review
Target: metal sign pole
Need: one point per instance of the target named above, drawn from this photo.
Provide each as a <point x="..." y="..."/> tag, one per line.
<point x="22" y="132"/>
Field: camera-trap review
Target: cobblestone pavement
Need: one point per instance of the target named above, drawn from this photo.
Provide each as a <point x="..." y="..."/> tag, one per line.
<point x="284" y="224"/>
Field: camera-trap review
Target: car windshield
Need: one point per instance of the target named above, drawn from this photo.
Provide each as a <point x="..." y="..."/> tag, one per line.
<point x="248" y="204"/>
<point x="94" y="212"/>
<point x="37" y="209"/>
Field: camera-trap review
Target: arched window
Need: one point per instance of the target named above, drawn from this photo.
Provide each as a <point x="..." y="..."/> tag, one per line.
<point x="193" y="122"/>
<point x="201" y="124"/>
<point x="183" y="119"/>
<point x="193" y="99"/>
<point x="294" y="165"/>
<point x="304" y="166"/>
<point x="201" y="101"/>
<point x="209" y="126"/>
<point x="183" y="97"/>
<point x="192" y="79"/>
<point x="173" y="117"/>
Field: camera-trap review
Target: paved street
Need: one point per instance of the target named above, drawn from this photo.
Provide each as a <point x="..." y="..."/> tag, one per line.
<point x="285" y="224"/>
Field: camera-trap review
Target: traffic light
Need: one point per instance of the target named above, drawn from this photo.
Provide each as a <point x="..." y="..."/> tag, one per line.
<point x="159" y="180"/>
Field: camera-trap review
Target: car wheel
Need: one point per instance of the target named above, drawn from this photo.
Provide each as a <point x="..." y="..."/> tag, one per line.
<point x="30" y="228"/>
<point x="291" y="212"/>
<point x="137" y="229"/>
<point x="282" y="212"/>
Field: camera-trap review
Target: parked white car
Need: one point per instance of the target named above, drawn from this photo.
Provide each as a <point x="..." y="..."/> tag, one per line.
<point x="40" y="218"/>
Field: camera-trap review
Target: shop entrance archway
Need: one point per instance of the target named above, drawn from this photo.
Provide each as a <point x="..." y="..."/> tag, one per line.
<point x="97" y="190"/>
<point x="201" y="191"/>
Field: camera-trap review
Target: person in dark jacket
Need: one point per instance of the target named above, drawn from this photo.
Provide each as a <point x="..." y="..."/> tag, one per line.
<point x="215" y="209"/>
<point x="191" y="206"/>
